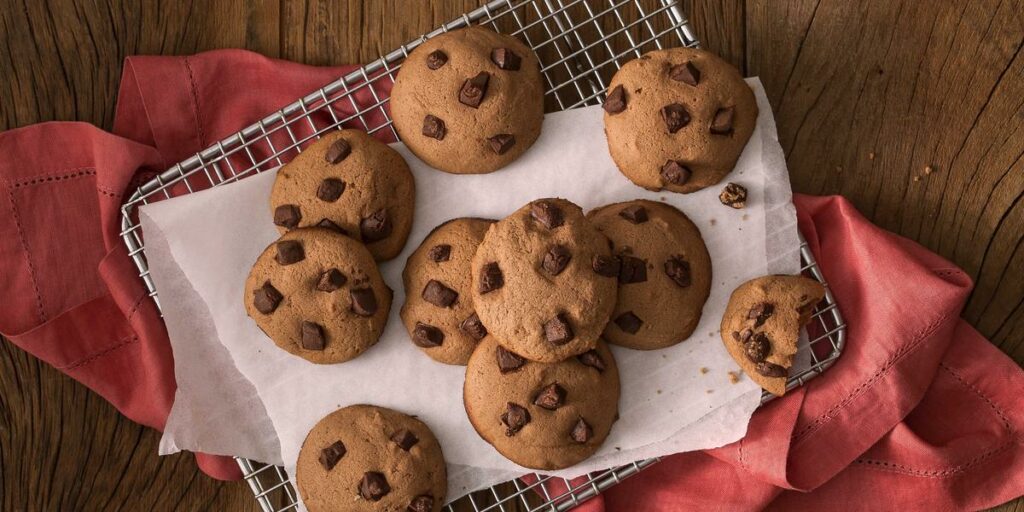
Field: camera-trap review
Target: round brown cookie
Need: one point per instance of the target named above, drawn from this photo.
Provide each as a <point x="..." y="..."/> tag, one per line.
<point x="678" y="119"/>
<point x="664" y="276"/>
<point x="542" y="415"/>
<point x="540" y="284"/>
<point x="318" y="294"/>
<point x="364" y="457"/>
<point x="350" y="182"/>
<point x="469" y="101"/>
<point x="761" y="325"/>
<point x="438" y="310"/>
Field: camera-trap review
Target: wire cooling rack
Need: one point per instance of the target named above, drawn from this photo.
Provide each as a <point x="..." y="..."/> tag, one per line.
<point x="581" y="43"/>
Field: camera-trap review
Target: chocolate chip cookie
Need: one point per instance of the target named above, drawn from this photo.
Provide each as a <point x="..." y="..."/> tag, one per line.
<point x="542" y="415"/>
<point x="438" y="310"/>
<point x="678" y="119"/>
<point x="540" y="282"/>
<point x="761" y="325"/>
<point x="318" y="294"/>
<point x="364" y="457"/>
<point x="664" y="273"/>
<point x="352" y="183"/>
<point x="469" y="101"/>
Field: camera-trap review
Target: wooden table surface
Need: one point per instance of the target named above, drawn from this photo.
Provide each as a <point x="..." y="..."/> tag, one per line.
<point x="866" y="95"/>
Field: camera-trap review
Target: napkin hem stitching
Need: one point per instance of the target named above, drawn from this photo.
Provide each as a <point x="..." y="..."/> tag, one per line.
<point x="28" y="255"/>
<point x="121" y="344"/>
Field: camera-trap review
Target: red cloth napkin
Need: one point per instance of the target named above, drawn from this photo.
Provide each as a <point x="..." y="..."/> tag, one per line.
<point x="920" y="412"/>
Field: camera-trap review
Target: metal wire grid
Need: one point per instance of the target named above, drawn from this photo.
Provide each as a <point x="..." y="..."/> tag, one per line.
<point x="581" y="43"/>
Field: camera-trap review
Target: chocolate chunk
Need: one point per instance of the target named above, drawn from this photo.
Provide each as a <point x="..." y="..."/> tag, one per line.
<point x="312" y="336"/>
<point x="338" y="151"/>
<point x="757" y="347"/>
<point x="436" y="293"/>
<point x="327" y="223"/>
<point x="491" y="278"/>
<point x="364" y="301"/>
<point x="515" y="418"/>
<point x="266" y="298"/>
<point x="675" y="173"/>
<point x="439" y="253"/>
<point x="678" y="270"/>
<point x="551" y="397"/>
<point x="290" y="251"/>
<point x="686" y="73"/>
<point x="556" y="259"/>
<point x="473" y="327"/>
<point x="287" y="216"/>
<point x="508" y="361"/>
<point x="581" y="433"/>
<point x="733" y="195"/>
<point x="616" y="100"/>
<point x="436" y="59"/>
<point x="502" y="142"/>
<point x="636" y="214"/>
<point x="722" y="123"/>
<point x="404" y="439"/>
<point x="375" y="227"/>
<point x="558" y="331"/>
<point x="474" y="90"/>
<point x="547" y="214"/>
<point x="421" y="503"/>
<point x="330" y="456"/>
<point x="427" y="336"/>
<point x="433" y="127"/>
<point x="760" y="313"/>
<point x="743" y="336"/>
<point x="770" y="369"/>
<point x="374" y="486"/>
<point x="607" y="266"/>
<point x="592" y="359"/>
<point x="675" y="116"/>
<point x="629" y="322"/>
<point x="632" y="270"/>
<point x="506" y="59"/>
<point x="330" y="190"/>
<point x="331" y="280"/>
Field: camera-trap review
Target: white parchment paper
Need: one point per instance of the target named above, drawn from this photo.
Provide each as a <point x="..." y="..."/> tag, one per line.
<point x="668" y="403"/>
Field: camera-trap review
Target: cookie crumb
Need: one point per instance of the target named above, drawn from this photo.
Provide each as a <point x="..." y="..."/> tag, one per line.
<point x="745" y="216"/>
<point x="710" y="391"/>
<point x="839" y="168"/>
<point x="928" y="170"/>
<point x="663" y="198"/>
<point x="917" y="178"/>
<point x="734" y="377"/>
<point x="712" y="222"/>
<point x="871" y="155"/>
<point x="703" y="370"/>
<point x="659" y="391"/>
<point x="733" y="195"/>
<point x="619" y="449"/>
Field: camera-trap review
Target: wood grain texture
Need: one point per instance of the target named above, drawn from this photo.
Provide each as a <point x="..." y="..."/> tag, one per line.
<point x="866" y="95"/>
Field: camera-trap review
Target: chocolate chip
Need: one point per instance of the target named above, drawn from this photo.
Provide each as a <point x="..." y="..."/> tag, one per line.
<point x="632" y="270"/>
<point x="592" y="359"/>
<point x="757" y="347"/>
<point x="743" y="336"/>
<point x="678" y="270"/>
<point x="374" y="486"/>
<point x="287" y="216"/>
<point x="433" y="127"/>
<point x="404" y="439"/>
<point x="338" y="151"/>
<point x="558" y="331"/>
<point x="491" y="278"/>
<point x="427" y="336"/>
<point x="760" y="313"/>
<point x="607" y="266"/>
<point x="675" y="116"/>
<point x="581" y="433"/>
<point x="473" y="327"/>
<point x="436" y="293"/>
<point x="312" y="336"/>
<point x="290" y="251"/>
<point x="502" y="142"/>
<point x="551" y="397"/>
<point x="506" y="59"/>
<point x="330" y="190"/>
<point x="436" y="59"/>
<point x="675" y="173"/>
<point x="616" y="100"/>
<point x="508" y="361"/>
<point x="556" y="259"/>
<point x="733" y="195"/>
<point x="636" y="214"/>
<point x="331" y="280"/>
<point x="770" y="370"/>
<point x="515" y="418"/>
<point x="439" y="253"/>
<point x="629" y="322"/>
<point x="266" y="298"/>
<point x="547" y="214"/>
<point x="326" y="223"/>
<point x="330" y="456"/>
<point x="375" y="227"/>
<point x="722" y="122"/>
<point x="421" y="503"/>
<point x="474" y="90"/>
<point x="686" y="73"/>
<point x="364" y="301"/>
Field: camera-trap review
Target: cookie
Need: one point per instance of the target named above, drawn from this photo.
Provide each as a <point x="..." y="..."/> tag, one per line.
<point x="664" y="273"/>
<point x="539" y="284"/>
<point x="318" y="295"/>
<point x="761" y="325"/>
<point x="542" y="415"/>
<point x="678" y="119"/>
<point x="350" y="182"/>
<point x="438" y="310"/>
<point x="364" y="457"/>
<point x="469" y="101"/>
